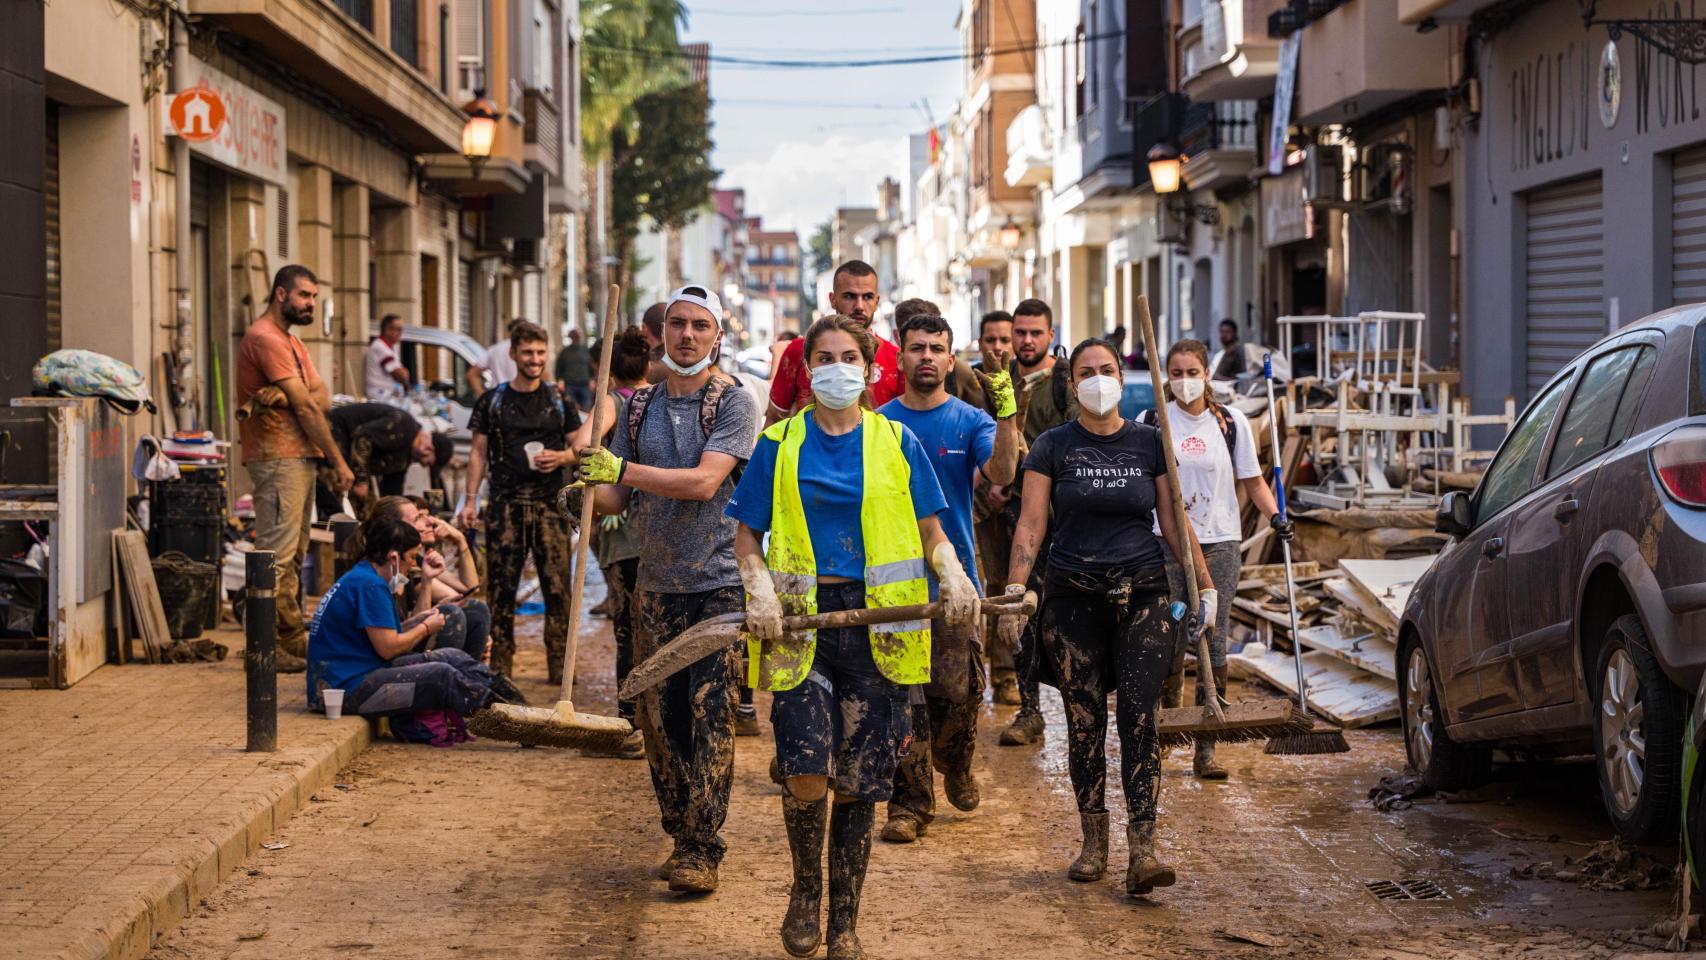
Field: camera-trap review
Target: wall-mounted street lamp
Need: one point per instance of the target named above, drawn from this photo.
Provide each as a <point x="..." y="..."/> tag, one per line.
<point x="1011" y="235"/>
<point x="1166" y="175"/>
<point x="480" y="132"/>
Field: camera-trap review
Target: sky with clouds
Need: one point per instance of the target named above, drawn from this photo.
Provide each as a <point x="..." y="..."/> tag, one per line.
<point x="803" y="142"/>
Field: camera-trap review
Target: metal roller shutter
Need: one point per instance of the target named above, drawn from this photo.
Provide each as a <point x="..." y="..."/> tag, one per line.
<point x="1565" y="261"/>
<point x="1688" y="227"/>
<point x="50" y="198"/>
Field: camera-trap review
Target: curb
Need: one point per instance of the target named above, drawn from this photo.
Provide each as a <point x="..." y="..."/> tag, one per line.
<point x="140" y="924"/>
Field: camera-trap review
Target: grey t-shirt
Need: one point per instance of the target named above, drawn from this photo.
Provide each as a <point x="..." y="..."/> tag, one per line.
<point x="687" y="546"/>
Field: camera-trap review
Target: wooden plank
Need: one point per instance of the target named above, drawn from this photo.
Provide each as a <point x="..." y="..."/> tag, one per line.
<point x="1387" y="582"/>
<point x="1244" y="713"/>
<point x="144" y="592"/>
<point x="1369" y="651"/>
<point x="28" y="510"/>
<point x="1361" y="605"/>
<point x="1275" y="572"/>
<point x="1338" y="691"/>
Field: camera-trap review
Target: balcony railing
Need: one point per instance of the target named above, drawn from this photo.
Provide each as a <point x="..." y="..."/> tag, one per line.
<point x="1226" y="125"/>
<point x="361" y="11"/>
<point x="544" y="128"/>
<point x="1153" y="120"/>
<point x="405" y="30"/>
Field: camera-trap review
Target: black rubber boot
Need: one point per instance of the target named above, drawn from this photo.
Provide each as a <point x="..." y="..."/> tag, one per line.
<point x="849" y="853"/>
<point x="1092" y="860"/>
<point x="801" y="929"/>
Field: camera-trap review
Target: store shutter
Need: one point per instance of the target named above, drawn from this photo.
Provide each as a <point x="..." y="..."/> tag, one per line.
<point x="1565" y="287"/>
<point x="50" y="196"/>
<point x="1688" y="227"/>
<point x="465" y="296"/>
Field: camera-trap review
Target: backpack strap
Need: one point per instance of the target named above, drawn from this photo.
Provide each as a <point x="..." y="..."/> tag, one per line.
<point x="714" y="391"/>
<point x="1228" y="427"/>
<point x="637" y="404"/>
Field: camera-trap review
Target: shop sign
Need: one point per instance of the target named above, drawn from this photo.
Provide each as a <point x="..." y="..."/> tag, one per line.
<point x="1285" y="90"/>
<point x="1286" y="218"/>
<point x="229" y="123"/>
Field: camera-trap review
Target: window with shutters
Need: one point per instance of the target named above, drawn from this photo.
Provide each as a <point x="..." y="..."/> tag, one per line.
<point x="405" y="30"/>
<point x="284" y="223"/>
<point x="1078" y="72"/>
<point x="471" y="23"/>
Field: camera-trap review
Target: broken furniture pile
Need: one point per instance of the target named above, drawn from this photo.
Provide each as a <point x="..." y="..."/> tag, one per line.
<point x="1368" y="445"/>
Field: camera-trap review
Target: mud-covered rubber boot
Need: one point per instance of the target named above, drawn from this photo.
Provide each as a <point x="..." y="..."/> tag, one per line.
<point x="1173" y="691"/>
<point x="849" y="853"/>
<point x="1026" y="728"/>
<point x="1203" y="764"/>
<point x="1145" y="873"/>
<point x="1092" y="862"/>
<point x="802" y="928"/>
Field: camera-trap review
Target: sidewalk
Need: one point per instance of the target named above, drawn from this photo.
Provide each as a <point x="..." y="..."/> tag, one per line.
<point x="126" y="799"/>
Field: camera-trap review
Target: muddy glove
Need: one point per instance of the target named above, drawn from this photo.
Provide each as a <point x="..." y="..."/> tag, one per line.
<point x="763" y="610"/>
<point x="1000" y="390"/>
<point x="599" y="466"/>
<point x="569" y="505"/>
<point x="1283" y="528"/>
<point x="959" y="598"/>
<point x="1207" y="603"/>
<point x="1009" y="626"/>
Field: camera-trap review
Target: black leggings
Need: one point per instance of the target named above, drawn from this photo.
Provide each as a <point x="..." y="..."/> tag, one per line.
<point x="1096" y="643"/>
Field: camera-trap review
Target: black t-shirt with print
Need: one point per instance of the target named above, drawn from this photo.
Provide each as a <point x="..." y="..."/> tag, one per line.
<point x="1103" y="495"/>
<point x="537" y="415"/>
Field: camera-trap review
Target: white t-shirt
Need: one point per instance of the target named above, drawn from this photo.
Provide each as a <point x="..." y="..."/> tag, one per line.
<point x="381" y="360"/>
<point x="500" y="363"/>
<point x="1208" y="471"/>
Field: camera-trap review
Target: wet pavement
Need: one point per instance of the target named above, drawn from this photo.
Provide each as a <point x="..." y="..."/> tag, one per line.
<point x="489" y="850"/>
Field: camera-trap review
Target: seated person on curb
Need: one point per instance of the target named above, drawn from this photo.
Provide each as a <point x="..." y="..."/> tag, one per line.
<point x="357" y="645"/>
<point x="467" y="621"/>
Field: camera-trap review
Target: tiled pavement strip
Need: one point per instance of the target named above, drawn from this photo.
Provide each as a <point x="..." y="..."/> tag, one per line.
<point x="126" y="799"/>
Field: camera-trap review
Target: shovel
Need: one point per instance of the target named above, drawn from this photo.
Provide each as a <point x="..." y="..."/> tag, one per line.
<point x="717" y="634"/>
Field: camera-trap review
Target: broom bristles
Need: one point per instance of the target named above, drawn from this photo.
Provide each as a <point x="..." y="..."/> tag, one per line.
<point x="1311" y="740"/>
<point x="1298" y="723"/>
<point x="545" y="727"/>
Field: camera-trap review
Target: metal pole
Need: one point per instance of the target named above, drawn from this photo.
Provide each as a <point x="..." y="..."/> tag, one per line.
<point x="260" y="651"/>
<point x="185" y="414"/>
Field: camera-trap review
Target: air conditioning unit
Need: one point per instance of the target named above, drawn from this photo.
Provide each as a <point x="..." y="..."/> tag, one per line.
<point x="1323" y="178"/>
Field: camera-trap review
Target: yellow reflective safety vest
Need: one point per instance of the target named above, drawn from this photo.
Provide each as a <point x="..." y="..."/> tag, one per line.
<point x="895" y="571"/>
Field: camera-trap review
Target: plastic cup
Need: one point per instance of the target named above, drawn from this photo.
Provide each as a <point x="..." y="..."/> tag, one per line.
<point x="334" y="700"/>
<point x="533" y="450"/>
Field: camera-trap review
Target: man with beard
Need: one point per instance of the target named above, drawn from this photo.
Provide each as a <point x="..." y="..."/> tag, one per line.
<point x="1050" y="404"/>
<point x="281" y="443"/>
<point x="521" y="515"/>
<point x="964" y="444"/>
<point x="853" y="293"/>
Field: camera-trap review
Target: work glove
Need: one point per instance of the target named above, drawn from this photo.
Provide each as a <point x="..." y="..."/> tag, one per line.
<point x="959" y="597"/>
<point x="611" y="522"/>
<point x="599" y="466"/>
<point x="1283" y="528"/>
<point x="1208" y="601"/>
<point x="1010" y="626"/>
<point x="1000" y="390"/>
<point x="763" y="610"/>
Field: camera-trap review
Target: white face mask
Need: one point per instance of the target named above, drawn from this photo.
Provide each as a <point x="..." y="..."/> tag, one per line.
<point x="1099" y="394"/>
<point x="1188" y="389"/>
<point x="682" y="371"/>
<point x="399" y="579"/>
<point x="838" y="385"/>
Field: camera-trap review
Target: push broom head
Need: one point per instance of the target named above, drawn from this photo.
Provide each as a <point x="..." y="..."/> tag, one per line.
<point x="1312" y="739"/>
<point x="550" y="727"/>
<point x="1245" y="721"/>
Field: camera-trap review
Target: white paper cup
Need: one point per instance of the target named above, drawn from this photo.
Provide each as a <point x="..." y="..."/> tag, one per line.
<point x="334" y="700"/>
<point x="533" y="450"/>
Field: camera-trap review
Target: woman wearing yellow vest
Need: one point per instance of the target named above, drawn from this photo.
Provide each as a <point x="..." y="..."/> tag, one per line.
<point x="1105" y="623"/>
<point x="849" y="499"/>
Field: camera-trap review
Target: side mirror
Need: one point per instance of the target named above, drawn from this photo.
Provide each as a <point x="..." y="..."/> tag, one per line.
<point x="1453" y="517"/>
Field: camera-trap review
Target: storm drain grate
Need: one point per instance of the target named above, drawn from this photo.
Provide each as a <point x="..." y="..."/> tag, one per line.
<point x="1408" y="889"/>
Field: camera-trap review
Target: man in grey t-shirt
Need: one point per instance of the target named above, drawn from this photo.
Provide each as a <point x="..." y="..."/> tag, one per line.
<point x="675" y="473"/>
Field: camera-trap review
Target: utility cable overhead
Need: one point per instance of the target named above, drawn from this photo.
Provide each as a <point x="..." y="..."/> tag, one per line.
<point x="661" y="54"/>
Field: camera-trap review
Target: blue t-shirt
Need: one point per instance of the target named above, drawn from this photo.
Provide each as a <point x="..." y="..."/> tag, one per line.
<point x="959" y="438"/>
<point x="832" y="486"/>
<point x="339" y="653"/>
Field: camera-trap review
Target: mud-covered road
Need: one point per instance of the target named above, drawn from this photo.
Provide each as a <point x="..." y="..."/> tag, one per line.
<point x="488" y="850"/>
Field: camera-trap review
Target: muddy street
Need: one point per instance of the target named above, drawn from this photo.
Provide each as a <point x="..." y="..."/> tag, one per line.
<point x="489" y="850"/>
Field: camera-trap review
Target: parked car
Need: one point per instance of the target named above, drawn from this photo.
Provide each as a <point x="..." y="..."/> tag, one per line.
<point x="1567" y="613"/>
<point x="440" y="360"/>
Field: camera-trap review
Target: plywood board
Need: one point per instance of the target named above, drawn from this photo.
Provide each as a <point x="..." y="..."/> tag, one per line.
<point x="1389" y="582"/>
<point x="1369" y="651"/>
<point x="1361" y="605"/>
<point x="1348" y="696"/>
<point x="144" y="593"/>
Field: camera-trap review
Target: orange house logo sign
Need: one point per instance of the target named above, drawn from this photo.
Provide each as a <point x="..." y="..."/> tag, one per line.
<point x="197" y="114"/>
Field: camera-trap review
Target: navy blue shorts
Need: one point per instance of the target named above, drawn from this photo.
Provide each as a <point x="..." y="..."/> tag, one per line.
<point x="846" y="720"/>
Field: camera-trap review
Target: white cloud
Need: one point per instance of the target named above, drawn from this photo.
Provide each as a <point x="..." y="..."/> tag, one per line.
<point x="801" y="183"/>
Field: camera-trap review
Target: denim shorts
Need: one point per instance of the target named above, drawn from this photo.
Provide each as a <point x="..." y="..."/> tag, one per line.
<point x="846" y="720"/>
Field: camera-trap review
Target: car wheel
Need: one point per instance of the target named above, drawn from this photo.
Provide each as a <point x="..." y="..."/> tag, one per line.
<point x="1441" y="762"/>
<point x="1638" y="721"/>
<point x="1694" y="819"/>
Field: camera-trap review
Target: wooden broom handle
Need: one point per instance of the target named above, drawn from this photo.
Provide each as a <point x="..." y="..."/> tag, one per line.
<point x="583" y="542"/>
<point x="1181" y="519"/>
<point x="1002" y="605"/>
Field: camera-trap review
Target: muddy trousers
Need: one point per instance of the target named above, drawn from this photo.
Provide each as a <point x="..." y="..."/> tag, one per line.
<point x="1096" y="643"/>
<point x="445" y="679"/>
<point x="514" y="529"/>
<point x="284" y="490"/>
<point x="688" y="722"/>
<point x="620" y="577"/>
<point x="944" y="732"/>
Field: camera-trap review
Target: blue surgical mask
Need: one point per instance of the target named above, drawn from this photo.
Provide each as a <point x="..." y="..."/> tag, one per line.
<point x="838" y="385"/>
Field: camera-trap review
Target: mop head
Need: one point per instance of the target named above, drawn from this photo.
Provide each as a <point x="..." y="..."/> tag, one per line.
<point x="1245" y="721"/>
<point x="550" y="727"/>
<point x="1312" y="739"/>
